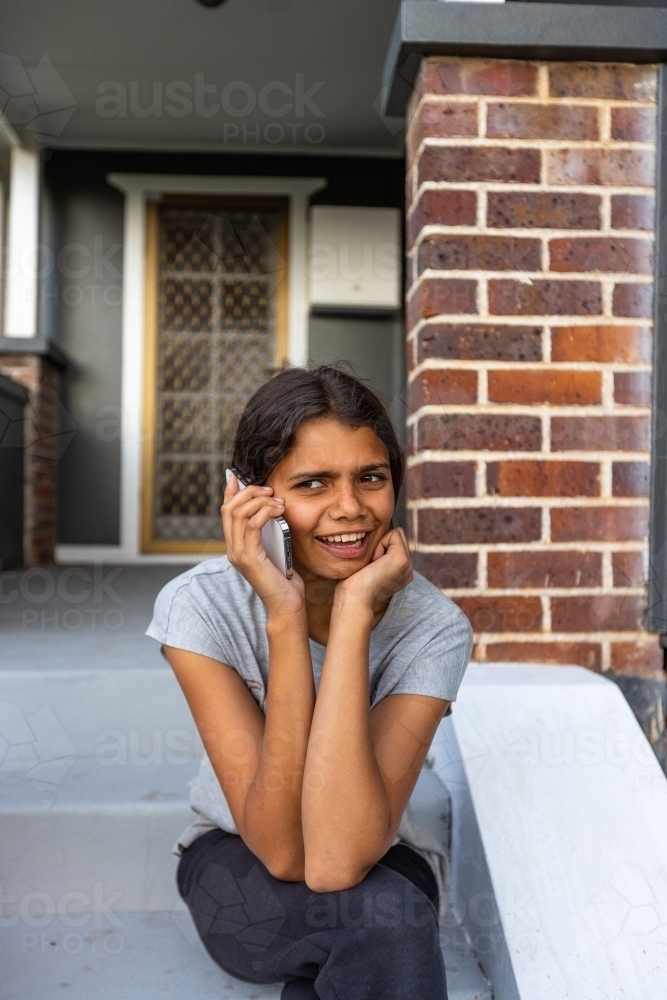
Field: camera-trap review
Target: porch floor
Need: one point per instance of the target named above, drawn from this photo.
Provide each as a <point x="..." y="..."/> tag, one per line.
<point x="64" y="618"/>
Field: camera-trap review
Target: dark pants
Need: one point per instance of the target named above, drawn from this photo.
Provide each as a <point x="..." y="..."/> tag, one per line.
<point x="376" y="941"/>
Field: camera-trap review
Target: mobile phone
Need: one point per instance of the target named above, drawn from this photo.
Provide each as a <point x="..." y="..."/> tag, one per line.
<point x="275" y="536"/>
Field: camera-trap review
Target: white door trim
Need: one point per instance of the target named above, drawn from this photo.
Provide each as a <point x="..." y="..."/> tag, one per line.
<point x="138" y="189"/>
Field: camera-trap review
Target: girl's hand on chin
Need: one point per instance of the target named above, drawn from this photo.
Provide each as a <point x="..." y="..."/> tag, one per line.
<point x="244" y="514"/>
<point x="389" y="571"/>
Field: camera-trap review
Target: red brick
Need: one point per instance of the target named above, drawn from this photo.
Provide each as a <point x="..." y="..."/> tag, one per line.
<point x="438" y="386"/>
<point x="543" y="479"/>
<point x="562" y="388"/>
<point x="502" y="614"/>
<point x="634" y="124"/>
<point x="478" y="525"/>
<point x="612" y="253"/>
<point x="448" y="570"/>
<point x="633" y="388"/>
<point x="544" y="298"/>
<point x="442" y="208"/>
<point x="600" y="434"/>
<point x="622" y="613"/>
<point x="480" y="432"/>
<point x="441" y="479"/>
<point x="630" y="479"/>
<point x="599" y="524"/>
<point x="632" y="211"/>
<point x="583" y="654"/>
<point x="479" y="163"/>
<point x="436" y="296"/>
<point x="466" y="75"/>
<point x="409" y="186"/>
<point x="481" y="342"/>
<point x="638" y="659"/>
<point x="440" y="119"/>
<point x="625" y="167"/>
<point x="410" y="354"/>
<point x="543" y="210"/>
<point x="629" y="344"/>
<point x="541" y="121"/>
<point x="633" y="300"/>
<point x="616" y="81"/>
<point x="512" y="570"/>
<point x="479" y="253"/>
<point x="628" y="569"/>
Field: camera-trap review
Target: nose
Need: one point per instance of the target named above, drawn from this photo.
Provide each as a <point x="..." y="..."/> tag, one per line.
<point x="347" y="503"/>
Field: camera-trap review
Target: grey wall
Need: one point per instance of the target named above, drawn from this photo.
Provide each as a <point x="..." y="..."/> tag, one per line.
<point x="375" y="347"/>
<point x="80" y="307"/>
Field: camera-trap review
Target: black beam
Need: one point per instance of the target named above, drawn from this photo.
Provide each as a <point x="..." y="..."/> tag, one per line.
<point x="517" y="31"/>
<point x="43" y="346"/>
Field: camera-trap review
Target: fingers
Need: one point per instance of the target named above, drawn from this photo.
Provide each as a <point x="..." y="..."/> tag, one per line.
<point x="395" y="539"/>
<point x="248" y="520"/>
<point x="395" y="544"/>
<point x="244" y="513"/>
<point x="380" y="549"/>
<point x="231" y="489"/>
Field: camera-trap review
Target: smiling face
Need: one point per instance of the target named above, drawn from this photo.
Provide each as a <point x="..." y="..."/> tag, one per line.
<point x="339" y="498"/>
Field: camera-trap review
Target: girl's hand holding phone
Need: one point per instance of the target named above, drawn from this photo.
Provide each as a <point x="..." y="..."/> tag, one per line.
<point x="244" y="514"/>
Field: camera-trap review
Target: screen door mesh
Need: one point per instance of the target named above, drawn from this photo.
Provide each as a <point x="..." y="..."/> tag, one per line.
<point x="217" y="312"/>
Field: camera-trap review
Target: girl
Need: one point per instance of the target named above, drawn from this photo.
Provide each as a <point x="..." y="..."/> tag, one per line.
<point x="317" y="699"/>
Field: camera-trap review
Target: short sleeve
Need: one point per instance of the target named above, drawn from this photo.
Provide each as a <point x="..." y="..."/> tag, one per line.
<point x="438" y="668"/>
<point x="178" y="621"/>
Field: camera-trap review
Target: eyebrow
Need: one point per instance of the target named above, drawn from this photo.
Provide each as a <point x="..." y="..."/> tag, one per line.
<point x="328" y="474"/>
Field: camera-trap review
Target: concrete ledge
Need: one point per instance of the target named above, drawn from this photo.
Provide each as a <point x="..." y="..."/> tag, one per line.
<point x="517" y="31"/>
<point x="559" y="859"/>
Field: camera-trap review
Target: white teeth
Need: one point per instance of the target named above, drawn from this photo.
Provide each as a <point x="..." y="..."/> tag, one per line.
<point x="354" y="537"/>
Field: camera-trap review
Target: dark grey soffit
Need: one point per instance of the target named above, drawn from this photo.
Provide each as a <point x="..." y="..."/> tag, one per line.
<point x="516" y="31"/>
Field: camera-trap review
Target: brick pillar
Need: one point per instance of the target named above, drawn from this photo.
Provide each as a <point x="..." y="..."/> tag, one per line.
<point x="42" y="439"/>
<point x="530" y="195"/>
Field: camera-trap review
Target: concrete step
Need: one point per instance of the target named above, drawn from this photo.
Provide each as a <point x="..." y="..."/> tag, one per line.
<point x="93" y="786"/>
<point x="149" y="956"/>
<point x="93" y="773"/>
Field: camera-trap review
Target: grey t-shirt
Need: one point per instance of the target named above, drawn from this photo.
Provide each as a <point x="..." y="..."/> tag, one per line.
<point x="420" y="646"/>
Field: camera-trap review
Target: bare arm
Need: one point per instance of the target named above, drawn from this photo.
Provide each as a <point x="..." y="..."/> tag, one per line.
<point x="258" y="760"/>
<point x="361" y="766"/>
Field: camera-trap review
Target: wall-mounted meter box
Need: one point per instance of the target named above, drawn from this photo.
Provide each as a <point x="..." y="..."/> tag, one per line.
<point x="354" y="257"/>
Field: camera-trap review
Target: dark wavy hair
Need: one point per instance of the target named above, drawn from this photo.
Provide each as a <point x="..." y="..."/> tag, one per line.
<point x="270" y="421"/>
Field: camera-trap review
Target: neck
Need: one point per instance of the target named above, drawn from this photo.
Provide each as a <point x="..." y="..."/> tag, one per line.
<point x="320" y="593"/>
<point x="319" y="603"/>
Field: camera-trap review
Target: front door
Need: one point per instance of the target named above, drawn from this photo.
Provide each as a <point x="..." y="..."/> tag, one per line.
<point x="216" y="330"/>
